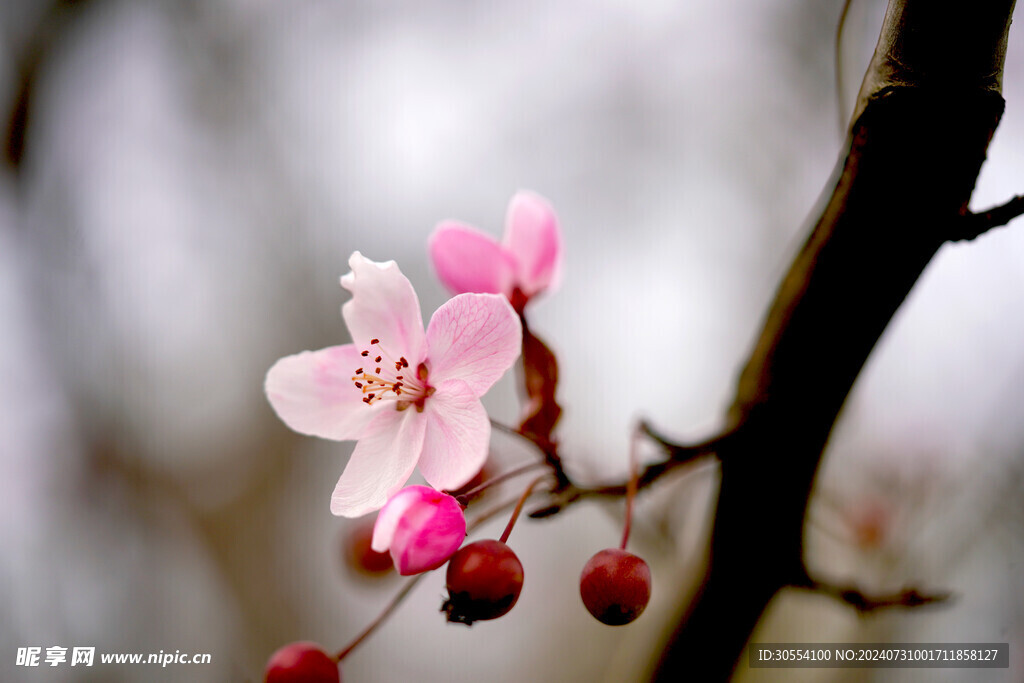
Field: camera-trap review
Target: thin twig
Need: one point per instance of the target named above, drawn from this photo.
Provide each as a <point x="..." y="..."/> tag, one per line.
<point x="512" y="431"/>
<point x="469" y="495"/>
<point x="679" y="455"/>
<point x="395" y="602"/>
<point x="630" y="487"/>
<point x="547" y="448"/>
<point x="490" y="513"/>
<point x="975" y="224"/>
<point x="909" y="597"/>
<point x="686" y="452"/>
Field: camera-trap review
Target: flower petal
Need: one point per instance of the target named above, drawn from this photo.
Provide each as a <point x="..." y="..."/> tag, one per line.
<point x="381" y="462"/>
<point x="533" y="238"/>
<point x="475" y="338"/>
<point x="421" y="527"/>
<point x="427" y="537"/>
<point x="384" y="306"/>
<point x="467" y="260"/>
<point x="457" y="437"/>
<point x="391" y="514"/>
<point x="313" y="393"/>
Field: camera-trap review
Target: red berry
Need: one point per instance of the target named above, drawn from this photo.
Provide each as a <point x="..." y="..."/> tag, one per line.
<point x="615" y="586"/>
<point x="359" y="554"/>
<point x="484" y="582"/>
<point x="302" y="662"/>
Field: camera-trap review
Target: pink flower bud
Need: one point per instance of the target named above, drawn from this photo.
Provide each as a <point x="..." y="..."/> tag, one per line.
<point x="422" y="528"/>
<point x="527" y="262"/>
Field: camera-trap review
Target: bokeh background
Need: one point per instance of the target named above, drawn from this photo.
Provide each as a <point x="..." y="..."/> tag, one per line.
<point x="190" y="181"/>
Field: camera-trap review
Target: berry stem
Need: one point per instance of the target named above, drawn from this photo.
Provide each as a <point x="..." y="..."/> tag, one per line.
<point x="512" y="431"/>
<point x="395" y="602"/>
<point x="631" y="487"/>
<point x="469" y="495"/>
<point x="519" y="507"/>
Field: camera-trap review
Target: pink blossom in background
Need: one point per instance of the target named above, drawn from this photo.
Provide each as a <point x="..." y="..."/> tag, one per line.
<point x="421" y="527"/>
<point x="528" y="260"/>
<point x="410" y="398"/>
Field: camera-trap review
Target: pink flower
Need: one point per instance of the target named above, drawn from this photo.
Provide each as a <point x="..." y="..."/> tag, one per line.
<point x="528" y="260"/>
<point x="407" y="396"/>
<point x="421" y="527"/>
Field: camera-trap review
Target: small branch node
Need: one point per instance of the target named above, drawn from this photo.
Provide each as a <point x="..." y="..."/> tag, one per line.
<point x="972" y="225"/>
<point x="563" y="497"/>
<point x="681" y="453"/>
<point x="863" y="603"/>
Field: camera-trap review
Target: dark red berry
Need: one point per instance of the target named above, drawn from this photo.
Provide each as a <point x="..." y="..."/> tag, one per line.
<point x="615" y="586"/>
<point x="358" y="553"/>
<point x="302" y="662"/>
<point x="484" y="582"/>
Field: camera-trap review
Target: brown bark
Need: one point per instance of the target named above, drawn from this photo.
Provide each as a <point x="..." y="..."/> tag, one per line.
<point x="927" y="110"/>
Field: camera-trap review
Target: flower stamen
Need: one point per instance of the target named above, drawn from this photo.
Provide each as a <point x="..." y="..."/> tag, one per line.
<point x="384" y="383"/>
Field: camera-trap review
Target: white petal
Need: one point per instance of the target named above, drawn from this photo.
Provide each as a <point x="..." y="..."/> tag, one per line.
<point x="381" y="462"/>
<point x="457" y="437"/>
<point x="313" y="393"/>
<point x="383" y="306"/>
<point x="391" y="514"/>
<point x="474" y="338"/>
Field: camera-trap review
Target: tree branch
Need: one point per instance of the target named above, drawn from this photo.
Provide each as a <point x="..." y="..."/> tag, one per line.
<point x="927" y="110"/>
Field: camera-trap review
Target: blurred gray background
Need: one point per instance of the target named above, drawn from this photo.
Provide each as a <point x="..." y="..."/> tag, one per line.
<point x="193" y="178"/>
